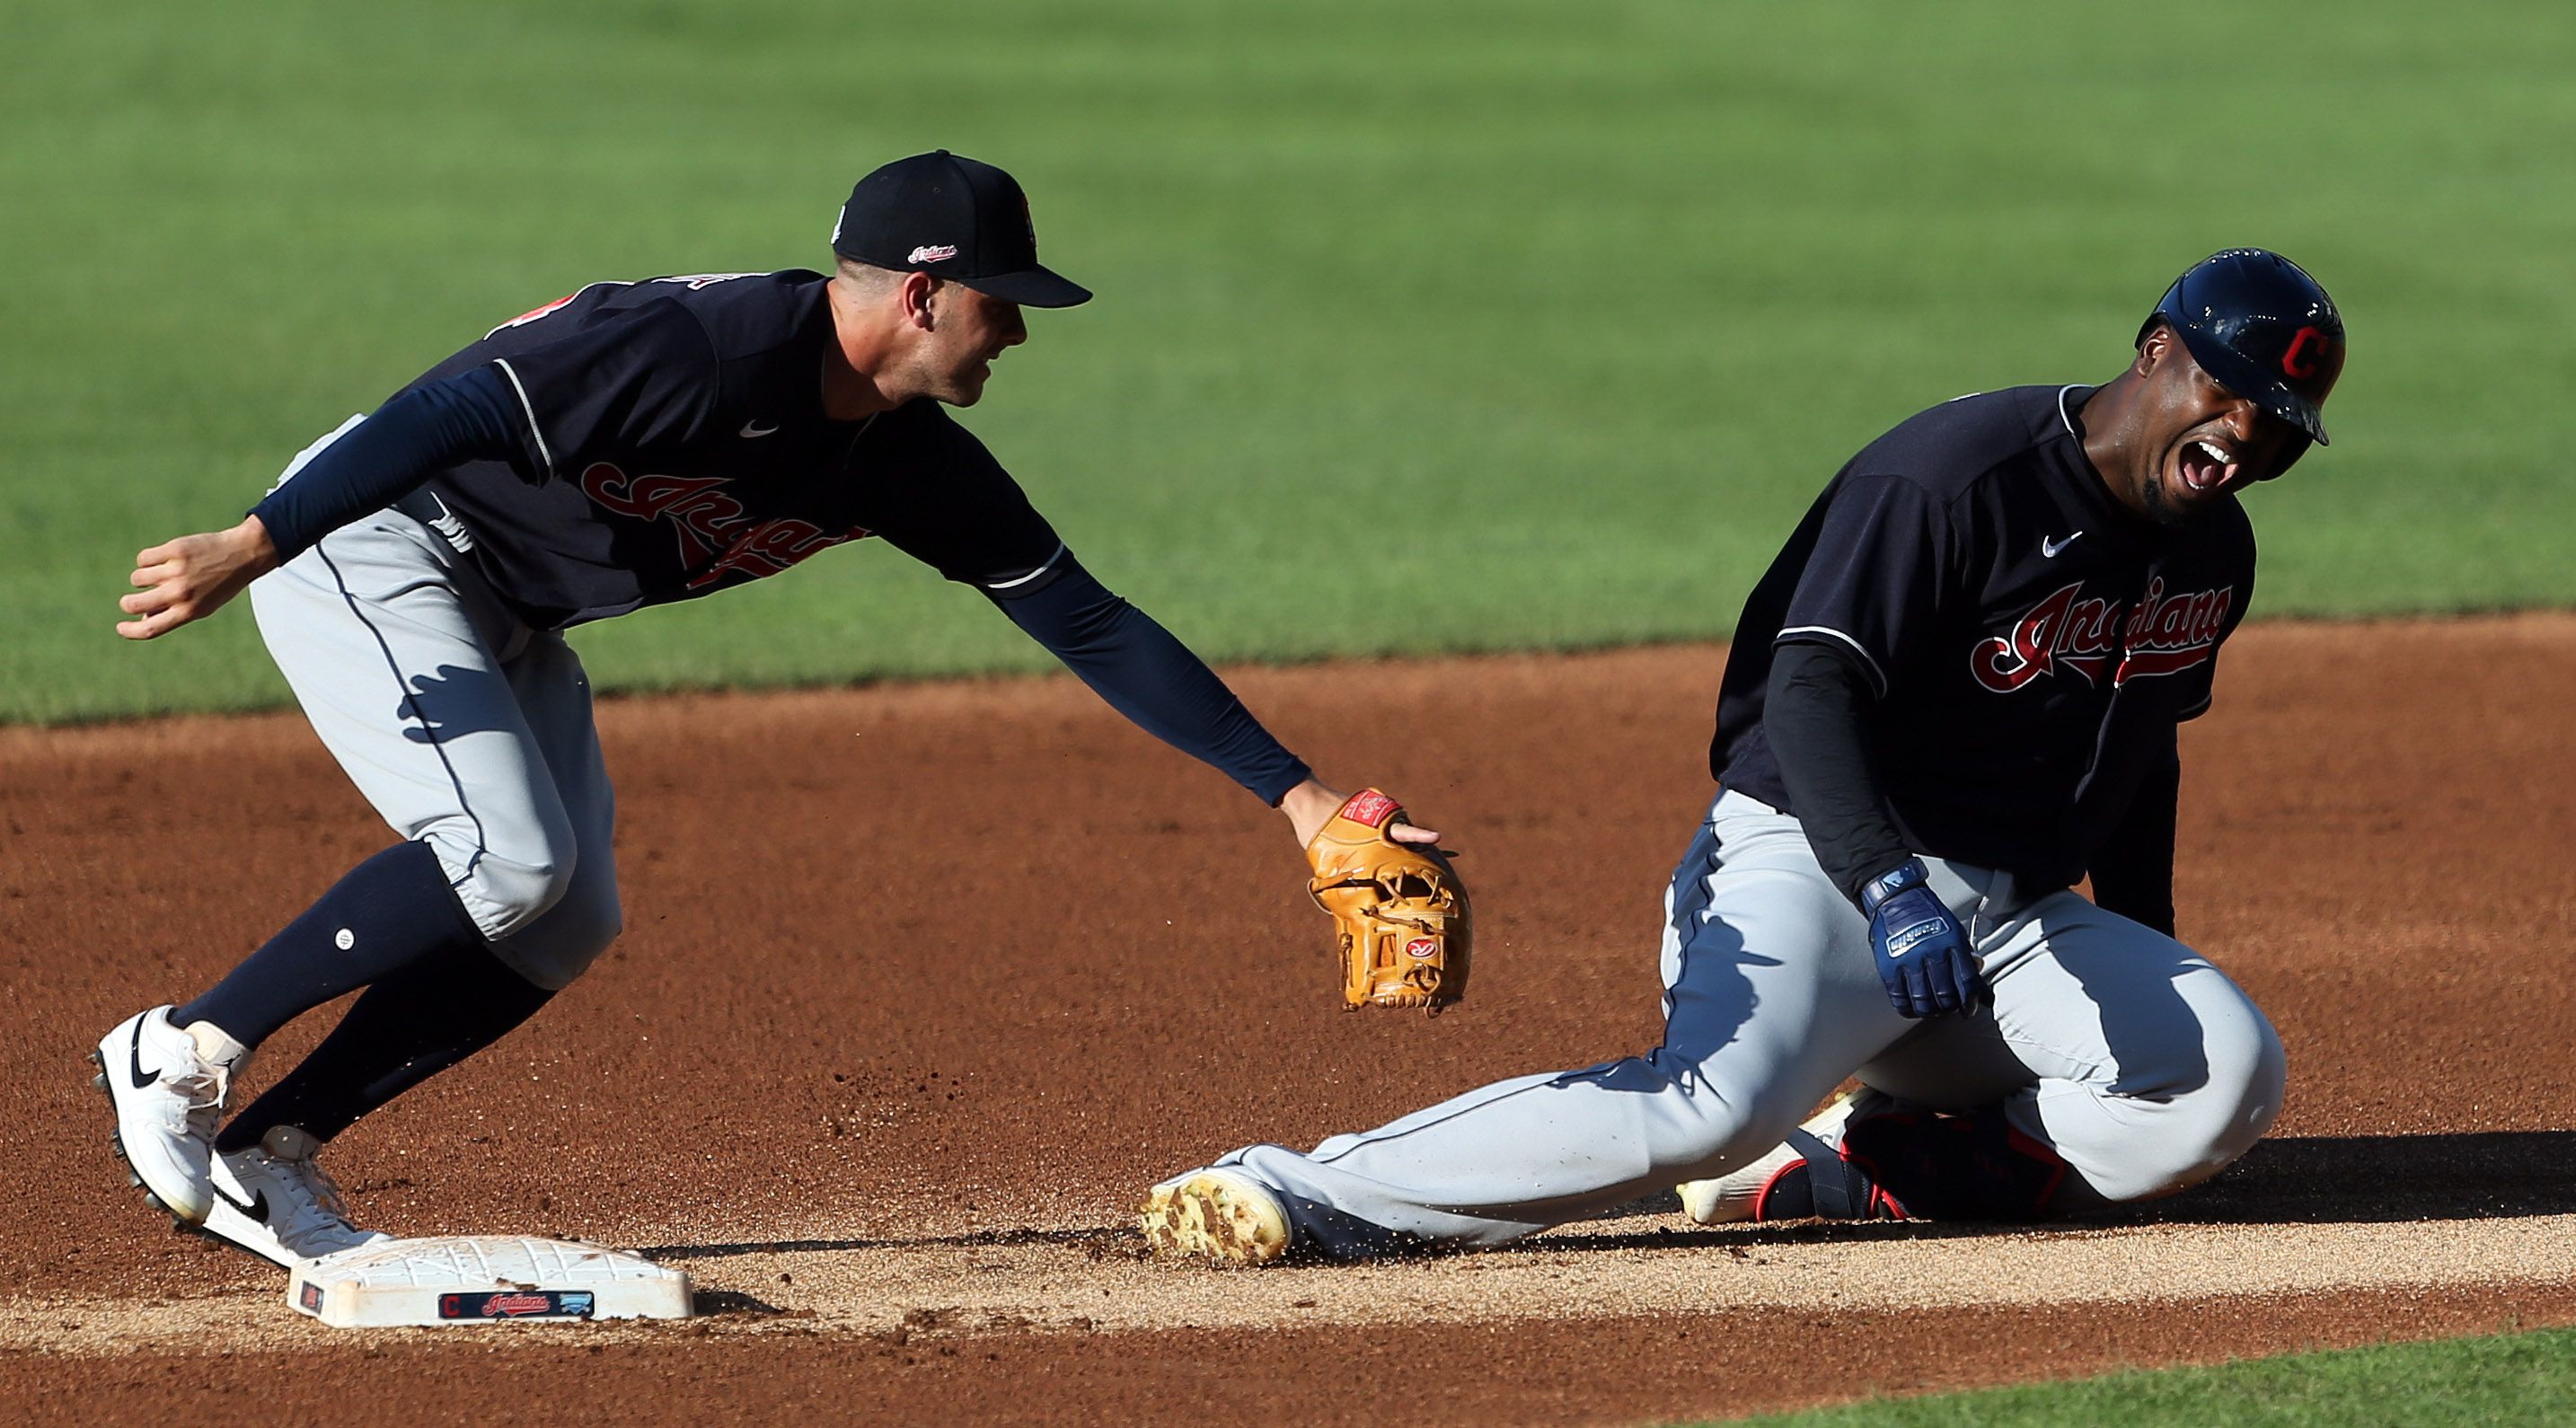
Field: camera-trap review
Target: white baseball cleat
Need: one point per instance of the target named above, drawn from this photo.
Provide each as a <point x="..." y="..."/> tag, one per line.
<point x="274" y="1201"/>
<point x="1737" y="1195"/>
<point x="1222" y="1216"/>
<point x="168" y="1099"/>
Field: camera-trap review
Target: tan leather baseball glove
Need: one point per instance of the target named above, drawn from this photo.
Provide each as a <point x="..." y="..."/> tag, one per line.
<point x="1402" y="912"/>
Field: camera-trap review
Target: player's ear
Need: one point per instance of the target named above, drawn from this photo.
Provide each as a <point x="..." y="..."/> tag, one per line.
<point x="917" y="292"/>
<point x="2153" y="348"/>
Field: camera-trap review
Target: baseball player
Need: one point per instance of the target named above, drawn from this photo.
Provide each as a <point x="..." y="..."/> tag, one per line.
<point x="413" y="574"/>
<point x="1953" y="697"/>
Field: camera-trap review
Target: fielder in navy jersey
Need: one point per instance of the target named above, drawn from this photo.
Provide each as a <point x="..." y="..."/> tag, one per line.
<point x="1953" y="697"/>
<point x="413" y="572"/>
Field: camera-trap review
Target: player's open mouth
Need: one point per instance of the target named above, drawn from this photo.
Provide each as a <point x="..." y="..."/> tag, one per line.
<point x="2206" y="465"/>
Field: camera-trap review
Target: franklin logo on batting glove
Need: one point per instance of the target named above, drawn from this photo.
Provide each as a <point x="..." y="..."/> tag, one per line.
<point x="1904" y="918"/>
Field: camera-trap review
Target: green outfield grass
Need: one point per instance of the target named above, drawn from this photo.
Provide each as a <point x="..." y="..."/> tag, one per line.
<point x="1421" y="326"/>
<point x="2516" y="1379"/>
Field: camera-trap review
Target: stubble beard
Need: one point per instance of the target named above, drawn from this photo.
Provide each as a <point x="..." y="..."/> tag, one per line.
<point x="2155" y="493"/>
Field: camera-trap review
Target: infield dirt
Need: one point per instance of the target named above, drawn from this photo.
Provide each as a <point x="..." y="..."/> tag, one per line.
<point x="921" y="986"/>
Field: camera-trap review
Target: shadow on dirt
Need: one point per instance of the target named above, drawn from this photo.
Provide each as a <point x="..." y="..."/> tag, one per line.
<point x="1095" y="1237"/>
<point x="709" y="1302"/>
<point x="2369" y="1178"/>
<point x="2310" y="1180"/>
<point x="2307" y="1180"/>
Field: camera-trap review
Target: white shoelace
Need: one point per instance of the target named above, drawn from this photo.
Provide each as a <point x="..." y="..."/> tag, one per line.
<point x="316" y="1194"/>
<point x="202" y="1085"/>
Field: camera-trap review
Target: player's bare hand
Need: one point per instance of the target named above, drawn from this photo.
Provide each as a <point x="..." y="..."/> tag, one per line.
<point x="1309" y="804"/>
<point x="190" y="578"/>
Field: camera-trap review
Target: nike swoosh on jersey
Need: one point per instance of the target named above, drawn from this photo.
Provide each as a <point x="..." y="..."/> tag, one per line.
<point x="753" y="431"/>
<point x="2050" y="548"/>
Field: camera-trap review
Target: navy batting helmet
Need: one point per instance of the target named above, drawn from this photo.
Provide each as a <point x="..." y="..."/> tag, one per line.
<point x="2259" y="325"/>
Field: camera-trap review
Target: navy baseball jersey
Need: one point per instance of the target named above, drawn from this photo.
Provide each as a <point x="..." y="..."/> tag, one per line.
<point x="2032" y="643"/>
<point x="673" y="444"/>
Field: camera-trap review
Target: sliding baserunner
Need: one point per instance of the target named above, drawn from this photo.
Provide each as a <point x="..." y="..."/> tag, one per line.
<point x="1953" y="697"/>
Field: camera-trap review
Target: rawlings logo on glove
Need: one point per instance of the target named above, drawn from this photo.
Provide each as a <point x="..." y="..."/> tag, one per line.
<point x="1402" y="911"/>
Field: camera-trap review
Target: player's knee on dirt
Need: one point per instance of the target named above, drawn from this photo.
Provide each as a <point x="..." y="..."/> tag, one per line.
<point x="2217" y="1125"/>
<point x="2195" y="1131"/>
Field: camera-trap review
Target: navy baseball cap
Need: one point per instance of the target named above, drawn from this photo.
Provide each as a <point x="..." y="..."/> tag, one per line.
<point x="952" y="218"/>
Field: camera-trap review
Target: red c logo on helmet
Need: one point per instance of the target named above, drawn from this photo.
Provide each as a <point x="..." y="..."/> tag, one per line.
<point x="2290" y="362"/>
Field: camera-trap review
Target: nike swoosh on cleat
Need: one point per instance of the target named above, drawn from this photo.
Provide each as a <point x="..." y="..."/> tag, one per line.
<point x="134" y="1050"/>
<point x="257" y="1208"/>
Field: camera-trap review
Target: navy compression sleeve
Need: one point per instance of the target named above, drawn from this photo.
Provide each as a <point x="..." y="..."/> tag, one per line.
<point x="1152" y="678"/>
<point x="1813" y="711"/>
<point x="2133" y="869"/>
<point x="465" y="417"/>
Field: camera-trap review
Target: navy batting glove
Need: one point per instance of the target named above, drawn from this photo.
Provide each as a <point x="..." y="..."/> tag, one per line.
<point x="1922" y="952"/>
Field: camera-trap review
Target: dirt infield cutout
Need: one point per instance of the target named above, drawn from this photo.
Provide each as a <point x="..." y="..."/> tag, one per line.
<point x="1086" y="1281"/>
<point x="922" y="985"/>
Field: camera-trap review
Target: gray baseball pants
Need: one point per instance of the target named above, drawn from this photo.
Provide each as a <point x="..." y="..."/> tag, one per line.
<point x="464" y="728"/>
<point x="2123" y="1050"/>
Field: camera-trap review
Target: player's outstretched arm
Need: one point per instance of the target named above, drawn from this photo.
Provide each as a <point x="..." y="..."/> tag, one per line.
<point x="1147" y="674"/>
<point x="191" y="577"/>
<point x="1403" y="914"/>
